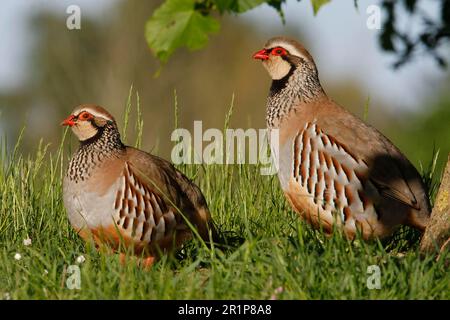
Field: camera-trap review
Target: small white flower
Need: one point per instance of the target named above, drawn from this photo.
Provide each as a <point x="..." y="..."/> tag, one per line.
<point x="279" y="290"/>
<point x="276" y="292"/>
<point x="45" y="272"/>
<point x="80" y="259"/>
<point x="6" y="296"/>
<point x="17" y="256"/>
<point x="27" y="242"/>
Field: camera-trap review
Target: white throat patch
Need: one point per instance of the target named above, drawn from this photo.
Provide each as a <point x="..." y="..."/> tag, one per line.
<point x="277" y="67"/>
<point x="84" y="130"/>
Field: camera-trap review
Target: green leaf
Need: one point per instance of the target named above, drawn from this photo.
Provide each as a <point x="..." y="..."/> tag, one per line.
<point x="245" y="5"/>
<point x="276" y="4"/>
<point x="225" y="5"/>
<point x="177" y="24"/>
<point x="237" y="6"/>
<point x="317" y="4"/>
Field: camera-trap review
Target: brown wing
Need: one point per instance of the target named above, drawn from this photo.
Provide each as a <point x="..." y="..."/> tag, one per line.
<point x="394" y="177"/>
<point x="143" y="213"/>
<point x="183" y="194"/>
<point x="392" y="173"/>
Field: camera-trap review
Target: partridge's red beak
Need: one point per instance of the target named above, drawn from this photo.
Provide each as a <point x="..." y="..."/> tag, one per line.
<point x="69" y="121"/>
<point x="261" y="55"/>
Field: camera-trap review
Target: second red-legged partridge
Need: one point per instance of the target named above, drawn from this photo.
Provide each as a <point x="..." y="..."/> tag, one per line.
<point x="335" y="169"/>
<point x="119" y="194"/>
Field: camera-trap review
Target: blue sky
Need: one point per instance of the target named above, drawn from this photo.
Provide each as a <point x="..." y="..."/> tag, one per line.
<point x="343" y="47"/>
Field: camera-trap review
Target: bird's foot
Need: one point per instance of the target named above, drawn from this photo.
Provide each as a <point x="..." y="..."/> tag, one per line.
<point x="147" y="263"/>
<point x="144" y="263"/>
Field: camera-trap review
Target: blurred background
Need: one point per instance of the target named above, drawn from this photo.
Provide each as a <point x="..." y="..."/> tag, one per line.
<point x="46" y="70"/>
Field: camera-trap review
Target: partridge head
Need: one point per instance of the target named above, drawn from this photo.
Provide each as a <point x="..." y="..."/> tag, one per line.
<point x="281" y="56"/>
<point x="116" y="194"/>
<point x="333" y="167"/>
<point x="87" y="121"/>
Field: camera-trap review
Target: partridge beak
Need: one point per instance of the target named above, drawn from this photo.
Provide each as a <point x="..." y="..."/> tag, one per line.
<point x="69" y="121"/>
<point x="261" y="55"/>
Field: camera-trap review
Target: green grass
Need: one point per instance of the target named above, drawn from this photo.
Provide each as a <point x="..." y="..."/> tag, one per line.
<point x="268" y="246"/>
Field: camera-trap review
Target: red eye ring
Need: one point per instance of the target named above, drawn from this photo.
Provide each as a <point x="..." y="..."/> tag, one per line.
<point x="85" y="115"/>
<point x="278" y="51"/>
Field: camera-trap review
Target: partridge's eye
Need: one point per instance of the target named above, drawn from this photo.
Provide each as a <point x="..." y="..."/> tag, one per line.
<point x="85" y="116"/>
<point x="278" y="51"/>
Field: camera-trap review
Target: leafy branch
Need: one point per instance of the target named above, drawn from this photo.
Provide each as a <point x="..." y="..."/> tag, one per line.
<point x="188" y="23"/>
<point x="433" y="33"/>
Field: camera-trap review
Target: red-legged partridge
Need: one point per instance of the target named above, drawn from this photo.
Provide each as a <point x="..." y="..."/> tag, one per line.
<point x="119" y="194"/>
<point x="333" y="168"/>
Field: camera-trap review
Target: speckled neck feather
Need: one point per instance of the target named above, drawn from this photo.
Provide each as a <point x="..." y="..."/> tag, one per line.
<point x="300" y="85"/>
<point x="105" y="144"/>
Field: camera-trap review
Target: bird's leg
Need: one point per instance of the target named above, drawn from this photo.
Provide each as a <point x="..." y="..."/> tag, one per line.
<point x="122" y="258"/>
<point x="147" y="263"/>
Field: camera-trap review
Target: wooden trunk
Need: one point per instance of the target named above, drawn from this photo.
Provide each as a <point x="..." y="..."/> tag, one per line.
<point x="436" y="238"/>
